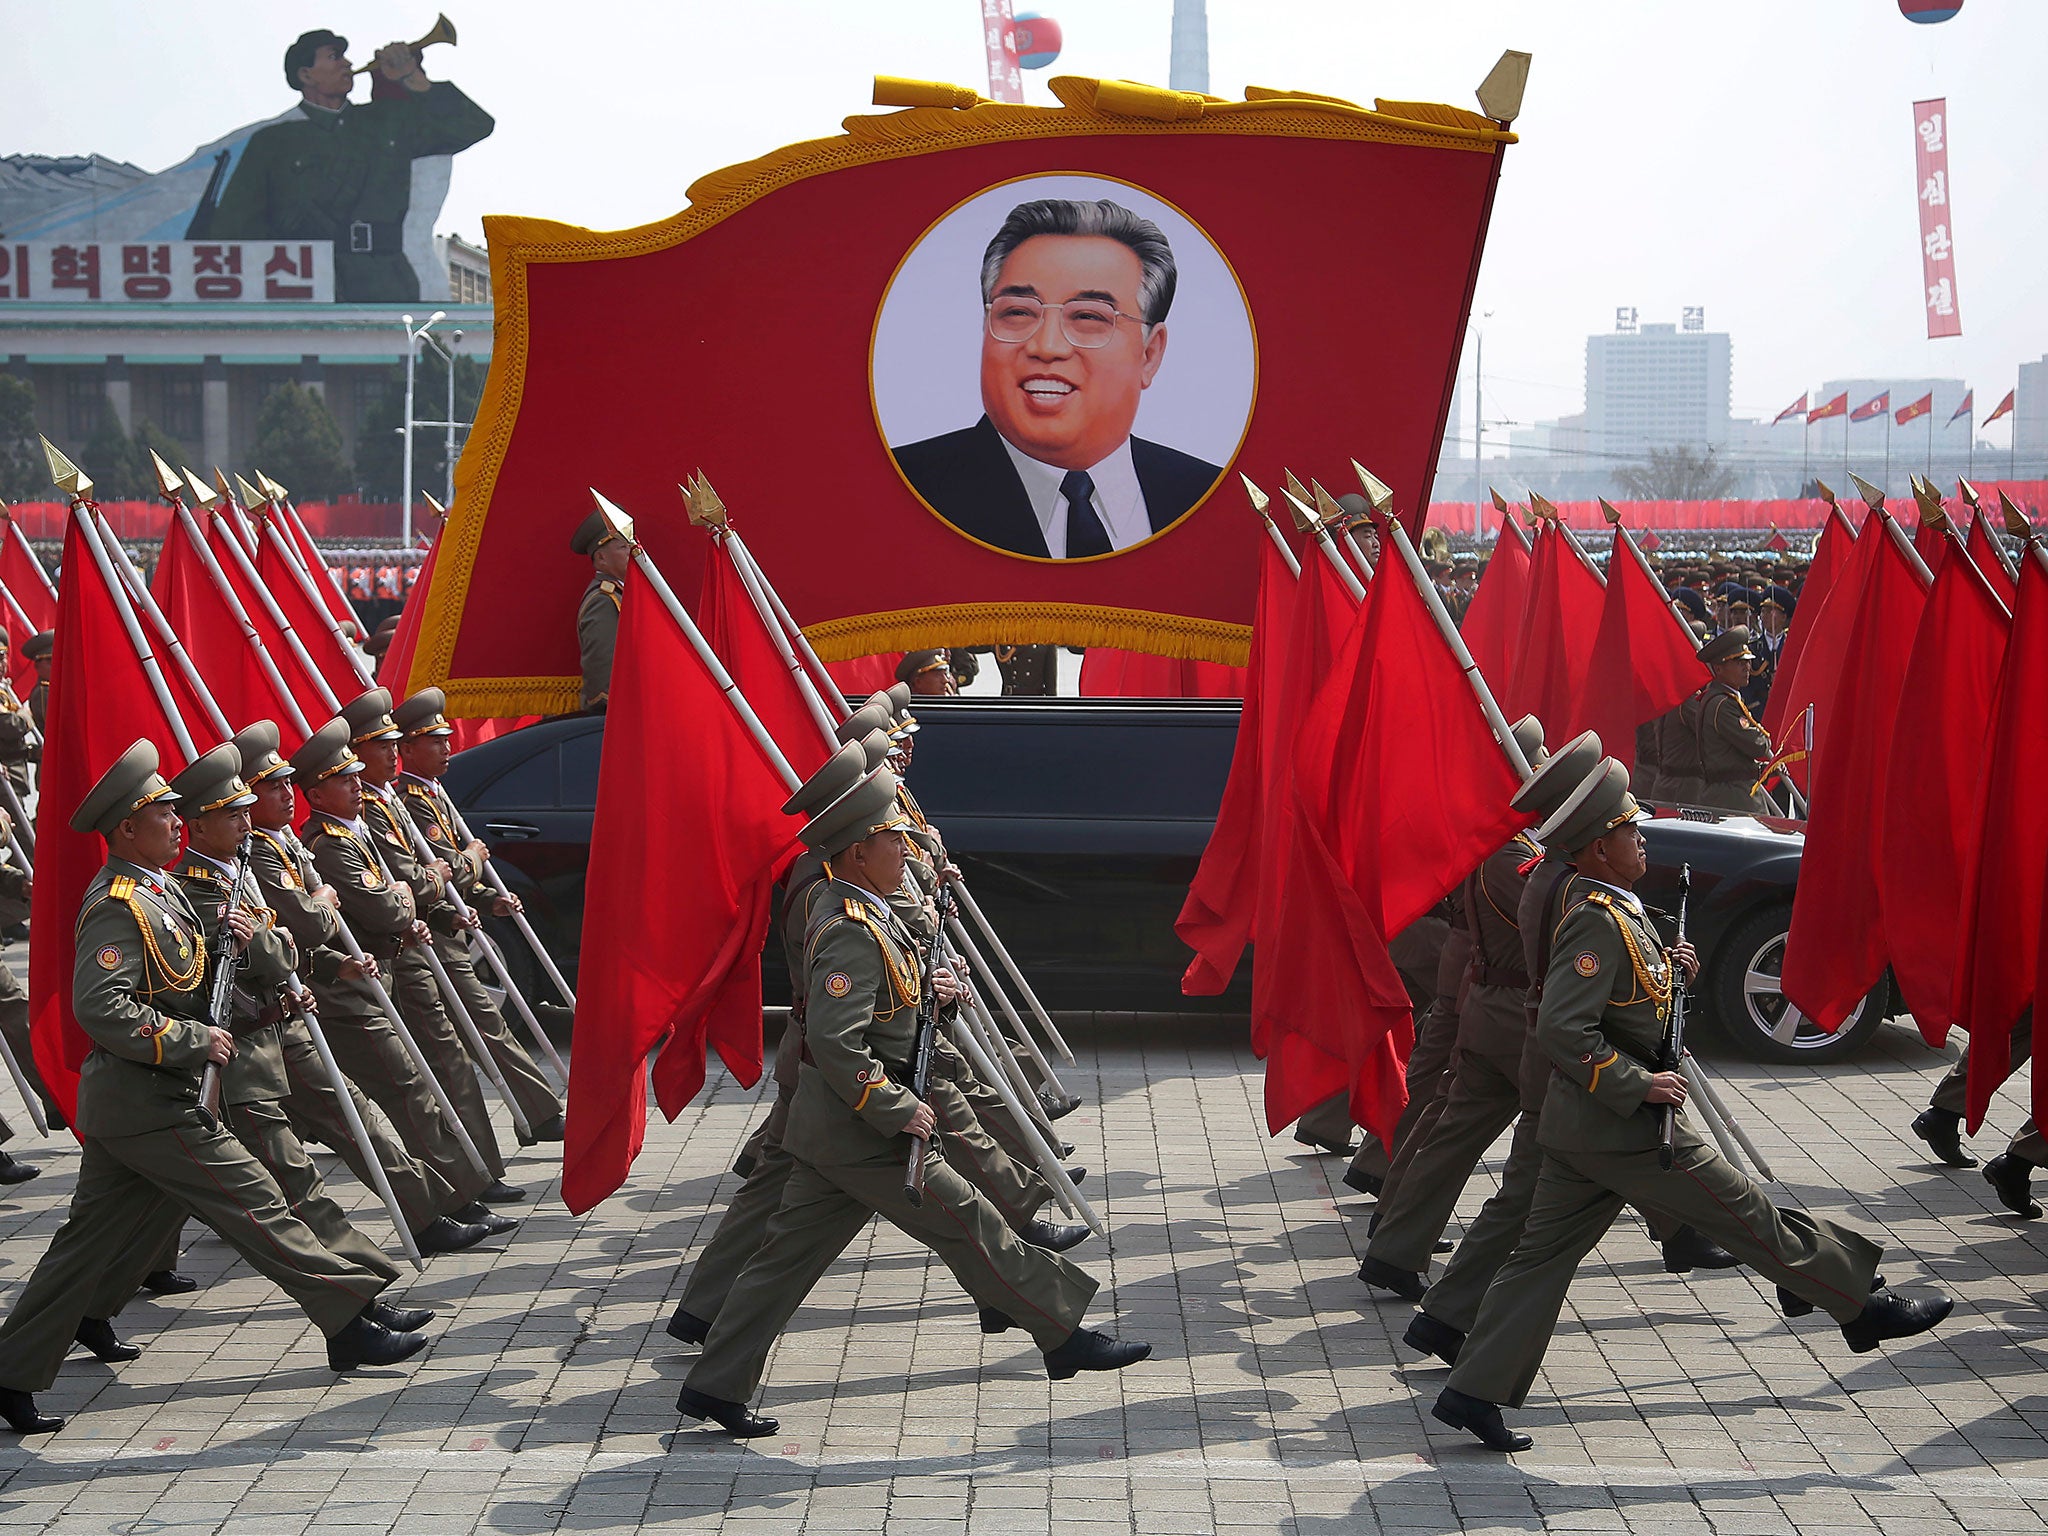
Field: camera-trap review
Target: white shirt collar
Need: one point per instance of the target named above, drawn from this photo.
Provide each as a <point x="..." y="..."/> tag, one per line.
<point x="1627" y="898"/>
<point x="1118" y="500"/>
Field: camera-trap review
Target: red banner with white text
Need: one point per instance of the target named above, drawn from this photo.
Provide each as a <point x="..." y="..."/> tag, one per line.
<point x="1937" y="228"/>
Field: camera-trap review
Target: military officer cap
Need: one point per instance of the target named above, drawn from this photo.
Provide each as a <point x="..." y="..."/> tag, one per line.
<point x="1599" y="805"/>
<point x="1528" y="734"/>
<point x="1694" y="603"/>
<point x="122" y="790"/>
<point x="368" y="716"/>
<point x="1729" y="645"/>
<point x="893" y="703"/>
<point x="307" y="48"/>
<point x="869" y="807"/>
<point x="326" y="754"/>
<point x="37" y="646"/>
<point x="877" y="745"/>
<point x="380" y="641"/>
<point x="839" y="773"/>
<point x="213" y="782"/>
<point x="1557" y="776"/>
<point x="592" y="534"/>
<point x="868" y="717"/>
<point x="260" y="759"/>
<point x="1356" y="510"/>
<point x="421" y="715"/>
<point x="916" y="663"/>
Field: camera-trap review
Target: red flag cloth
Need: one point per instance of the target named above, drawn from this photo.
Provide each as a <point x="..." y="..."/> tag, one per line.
<point x="676" y="901"/>
<point x="1216" y="919"/>
<point x="100" y="701"/>
<point x="1872" y="408"/>
<point x="315" y="562"/>
<point x="1838" y="544"/>
<point x="733" y="625"/>
<point x="863" y="675"/>
<point x="1777" y="543"/>
<point x="1839" y="406"/>
<point x="1643" y="660"/>
<point x="1990" y="557"/>
<point x="22" y="575"/>
<point x="2002" y="911"/>
<point x="1920" y="407"/>
<point x="310" y="621"/>
<point x="1110" y="673"/>
<point x="1931" y="544"/>
<point x="1558" y="628"/>
<point x="1796" y="408"/>
<point x="2004" y="407"/>
<point x="1930" y="787"/>
<point x="1492" y="626"/>
<point x="1835" y="952"/>
<point x="213" y="637"/>
<point x="306" y="689"/>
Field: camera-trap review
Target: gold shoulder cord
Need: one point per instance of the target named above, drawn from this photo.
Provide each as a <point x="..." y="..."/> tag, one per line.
<point x="1646" y="977"/>
<point x="284" y="858"/>
<point x="906" y="980"/>
<point x="174" y="979"/>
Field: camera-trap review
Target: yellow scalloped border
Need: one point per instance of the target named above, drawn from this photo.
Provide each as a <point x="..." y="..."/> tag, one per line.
<point x="517" y="242"/>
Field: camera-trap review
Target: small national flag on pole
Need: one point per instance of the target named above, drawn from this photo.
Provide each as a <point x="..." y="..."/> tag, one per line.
<point x="1968" y="407"/>
<point x="1839" y="406"/>
<point x="1777" y="543"/>
<point x="1796" y="408"/>
<point x="1918" y="408"/>
<point x="1873" y="408"/>
<point x="2004" y="408"/>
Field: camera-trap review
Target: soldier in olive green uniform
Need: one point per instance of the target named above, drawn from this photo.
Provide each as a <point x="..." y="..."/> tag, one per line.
<point x="1725" y="749"/>
<point x="141" y="991"/>
<point x="850" y="1132"/>
<point x="337" y="171"/>
<point x="597" y="615"/>
<point x="2011" y="1173"/>
<point x="14" y="886"/>
<point x="21" y="739"/>
<point x="1606" y="1001"/>
<point x="1418" y="955"/>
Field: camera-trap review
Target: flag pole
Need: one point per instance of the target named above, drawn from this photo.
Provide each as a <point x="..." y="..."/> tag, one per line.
<point x="84" y="511"/>
<point x="1627" y="541"/>
<point x="1306" y="519"/>
<point x="1260" y="501"/>
<point x="233" y="544"/>
<point x="379" y="1179"/>
<point x="226" y="593"/>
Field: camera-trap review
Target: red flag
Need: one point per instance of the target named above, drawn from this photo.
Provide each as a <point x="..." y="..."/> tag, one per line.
<point x="1835" y="952"/>
<point x="1984" y="549"/>
<point x="1777" y="543"/>
<point x="2002" y="907"/>
<point x="309" y="620"/>
<point x="1216" y="919"/>
<point x="1643" y="661"/>
<point x="863" y="675"/>
<point x="2004" y="407"/>
<point x="1114" y="674"/>
<point x="1837" y="544"/>
<point x="1920" y="407"/>
<point x="1558" y="628"/>
<point x="1966" y="407"/>
<point x="1796" y="408"/>
<point x="684" y="845"/>
<point x="1930" y="544"/>
<point x="100" y="701"/>
<point x="1872" y="408"/>
<point x="304" y="686"/>
<point x="1930" y="793"/>
<point x="1492" y="626"/>
<point x="728" y="619"/>
<point x="22" y="575"/>
<point x="1839" y="406"/>
<point x="213" y="637"/>
<point x="316" y="563"/>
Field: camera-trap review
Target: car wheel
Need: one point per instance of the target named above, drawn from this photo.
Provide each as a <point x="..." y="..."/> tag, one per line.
<point x="1752" y="1009"/>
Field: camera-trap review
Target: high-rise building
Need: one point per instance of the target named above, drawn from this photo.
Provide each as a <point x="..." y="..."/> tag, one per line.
<point x="2029" y="413"/>
<point x="1656" y="386"/>
<point x="1187" y="66"/>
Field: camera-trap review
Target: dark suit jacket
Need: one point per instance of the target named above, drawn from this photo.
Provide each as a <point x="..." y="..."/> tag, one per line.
<point x="969" y="480"/>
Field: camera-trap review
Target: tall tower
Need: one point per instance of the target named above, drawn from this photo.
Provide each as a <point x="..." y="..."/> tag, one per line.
<point x="1188" y="69"/>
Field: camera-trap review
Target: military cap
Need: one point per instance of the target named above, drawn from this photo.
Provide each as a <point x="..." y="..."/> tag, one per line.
<point x="326" y="754"/>
<point x="1599" y="805"/>
<point x="260" y="760"/>
<point x="870" y="806"/>
<point x="1528" y="734"/>
<point x="1558" y="775"/>
<point x="895" y="702"/>
<point x="592" y="534"/>
<point x="1691" y="600"/>
<point x="122" y="790"/>
<point x="37" y="646"/>
<point x="1356" y="510"/>
<point x="877" y="745"/>
<point x="368" y="716"/>
<point x="1729" y="645"/>
<point x="421" y="715"/>
<point x="351" y="630"/>
<point x="213" y="782"/>
<point x="307" y="48"/>
<point x="869" y="717"/>
<point x="380" y="642"/>
<point x="839" y="773"/>
<point x="916" y="663"/>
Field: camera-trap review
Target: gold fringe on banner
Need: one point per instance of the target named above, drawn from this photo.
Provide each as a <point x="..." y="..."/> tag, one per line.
<point x="1128" y="629"/>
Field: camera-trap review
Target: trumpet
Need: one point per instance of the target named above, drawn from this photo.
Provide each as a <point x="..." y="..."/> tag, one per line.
<point x="444" y="32"/>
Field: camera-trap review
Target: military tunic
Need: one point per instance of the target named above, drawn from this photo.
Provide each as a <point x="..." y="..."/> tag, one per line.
<point x="597" y="635"/>
<point x="1417" y="952"/>
<point x="1429" y="1063"/>
<point x="1729" y="747"/>
<point x="14" y="885"/>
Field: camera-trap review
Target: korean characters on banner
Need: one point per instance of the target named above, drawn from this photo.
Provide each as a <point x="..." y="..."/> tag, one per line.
<point x="1937" y="234"/>
<point x="168" y="271"/>
<point x="999" y="35"/>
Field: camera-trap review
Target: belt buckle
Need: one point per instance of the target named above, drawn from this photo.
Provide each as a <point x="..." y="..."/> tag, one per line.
<point x="359" y="237"/>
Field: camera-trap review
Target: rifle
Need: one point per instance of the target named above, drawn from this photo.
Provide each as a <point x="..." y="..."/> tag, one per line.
<point x="1672" y="1054"/>
<point x="221" y="1003"/>
<point x="921" y="1079"/>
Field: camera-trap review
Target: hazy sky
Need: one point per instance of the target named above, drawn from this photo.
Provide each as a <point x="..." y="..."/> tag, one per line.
<point x="1753" y="158"/>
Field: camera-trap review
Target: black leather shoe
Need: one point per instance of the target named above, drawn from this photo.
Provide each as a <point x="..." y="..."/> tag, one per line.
<point x="1052" y="1237"/>
<point x="1432" y="1337"/>
<point x="1088" y="1350"/>
<point x="501" y="1193"/>
<point x="1944" y="1133"/>
<point x="1063" y="1148"/>
<point x="364" y="1342"/>
<point x="1799" y="1306"/>
<point x="1689" y="1249"/>
<point x="14" y="1171"/>
<point x="1479" y="1418"/>
<point x="97" y="1335"/>
<point x="1056" y="1107"/>
<point x="993" y="1321"/>
<point x="1333" y="1148"/>
<point x="2010" y="1176"/>
<point x="477" y="1214"/>
<point x="444" y="1234"/>
<point x="743" y="1166"/>
<point x="736" y="1419"/>
<point x="1886" y="1316"/>
<point x="1365" y="1183"/>
<point x="168" y="1282"/>
<point x="56" y="1118"/>
<point x="1404" y="1283"/>
<point x="1443" y="1245"/>
<point x="400" y="1319"/>
<point x="688" y="1327"/>
<point x="1076" y="1175"/>
<point x="19" y="1410"/>
<point x="549" y="1129"/>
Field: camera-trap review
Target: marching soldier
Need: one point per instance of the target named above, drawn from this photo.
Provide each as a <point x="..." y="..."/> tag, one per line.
<point x="37" y="649"/>
<point x="849" y="1132"/>
<point x="436" y="1186"/>
<point x="597" y="616"/>
<point x="141" y="991"/>
<point x="1418" y="953"/>
<point x="15" y="887"/>
<point x="1728" y="748"/>
<point x="1940" y="1125"/>
<point x="1606" y="1000"/>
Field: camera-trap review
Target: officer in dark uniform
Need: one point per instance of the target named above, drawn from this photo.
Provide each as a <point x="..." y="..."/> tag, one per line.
<point x="597" y="616"/>
<point x="927" y="672"/>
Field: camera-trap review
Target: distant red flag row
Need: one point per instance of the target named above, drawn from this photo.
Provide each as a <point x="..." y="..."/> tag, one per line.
<point x="1878" y="404"/>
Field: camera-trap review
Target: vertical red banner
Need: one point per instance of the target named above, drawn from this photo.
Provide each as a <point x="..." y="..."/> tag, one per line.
<point x="1937" y="228"/>
<point x="999" y="36"/>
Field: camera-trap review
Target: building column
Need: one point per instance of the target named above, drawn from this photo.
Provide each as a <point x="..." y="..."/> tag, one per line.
<point x="213" y="410"/>
<point x="120" y="393"/>
<point x="311" y="375"/>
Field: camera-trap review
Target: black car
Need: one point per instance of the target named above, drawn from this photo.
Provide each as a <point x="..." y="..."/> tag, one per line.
<point x="1079" y="823"/>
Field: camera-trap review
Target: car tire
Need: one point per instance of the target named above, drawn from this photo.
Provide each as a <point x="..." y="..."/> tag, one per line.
<point x="1754" y="1015"/>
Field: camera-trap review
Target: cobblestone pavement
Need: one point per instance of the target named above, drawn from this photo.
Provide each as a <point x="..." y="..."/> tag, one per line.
<point x="1277" y="1399"/>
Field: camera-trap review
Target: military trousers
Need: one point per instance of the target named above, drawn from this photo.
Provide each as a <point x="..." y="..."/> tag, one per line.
<point x="371" y="1056"/>
<point x="531" y="1089"/>
<point x="1483" y="1101"/>
<point x="418" y="996"/>
<point x="1436" y="1036"/>
<point x="1328" y="1124"/>
<point x="14" y="1026"/>
<point x="1578" y="1195"/>
<point x="124" y="1183"/>
<point x="314" y="1108"/>
<point x="1951" y="1094"/>
<point x="825" y="1207"/>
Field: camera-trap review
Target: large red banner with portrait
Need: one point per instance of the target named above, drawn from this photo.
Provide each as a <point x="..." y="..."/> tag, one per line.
<point x="972" y="373"/>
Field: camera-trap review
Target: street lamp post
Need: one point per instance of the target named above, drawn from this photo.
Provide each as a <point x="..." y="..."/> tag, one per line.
<point x="412" y="353"/>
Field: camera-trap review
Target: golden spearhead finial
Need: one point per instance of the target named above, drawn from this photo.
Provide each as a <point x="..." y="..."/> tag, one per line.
<point x="1500" y="502"/>
<point x="1327" y="509"/>
<point x="2016" y="522"/>
<point x="1610" y="511"/>
<point x="167" y="481"/>
<point x="65" y="475"/>
<point x="1377" y="491"/>
<point x="435" y="506"/>
<point x="1826" y="495"/>
<point x="253" y="500"/>
<point x="1260" y="500"/>
<point x="276" y="492"/>
<point x="1294" y="486"/>
<point x="620" y="524"/>
<point x="1873" y="498"/>
<point x="1304" y="515"/>
<point x="1969" y="494"/>
<point x="203" y="495"/>
<point x="1541" y="506"/>
<point x="1932" y="513"/>
<point x="706" y="510"/>
<point x="220" y="483"/>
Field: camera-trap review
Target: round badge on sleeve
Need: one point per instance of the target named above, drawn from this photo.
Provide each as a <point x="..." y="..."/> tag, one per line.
<point x="1588" y="964"/>
<point x="839" y="984"/>
<point x="110" y="957"/>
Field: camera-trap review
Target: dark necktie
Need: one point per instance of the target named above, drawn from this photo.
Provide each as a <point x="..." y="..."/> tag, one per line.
<point x="1085" y="533"/>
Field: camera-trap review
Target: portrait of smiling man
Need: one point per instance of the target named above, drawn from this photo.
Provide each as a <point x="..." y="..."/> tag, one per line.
<point x="1074" y="302"/>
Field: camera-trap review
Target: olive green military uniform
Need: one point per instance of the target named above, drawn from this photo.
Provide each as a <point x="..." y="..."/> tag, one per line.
<point x="597" y="635"/>
<point x="1732" y="748"/>
<point x="20" y="740"/>
<point x="1436" y="1043"/>
<point x="1418" y="955"/>
<point x="1601" y="1023"/>
<point x="346" y="175"/>
<point x="140" y="991"/>
<point x="1952" y="1094"/>
<point x="845" y="1134"/>
<point x="14" y="884"/>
